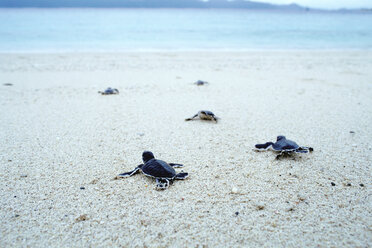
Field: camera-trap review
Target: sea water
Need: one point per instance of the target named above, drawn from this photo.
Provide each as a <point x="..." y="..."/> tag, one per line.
<point x="180" y="29"/>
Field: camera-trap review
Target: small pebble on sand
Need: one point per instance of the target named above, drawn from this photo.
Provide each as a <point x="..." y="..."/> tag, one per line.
<point x="260" y="207"/>
<point x="83" y="217"/>
<point x="234" y="190"/>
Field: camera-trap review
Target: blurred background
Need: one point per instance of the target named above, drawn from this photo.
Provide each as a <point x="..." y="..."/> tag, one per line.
<point x="183" y="25"/>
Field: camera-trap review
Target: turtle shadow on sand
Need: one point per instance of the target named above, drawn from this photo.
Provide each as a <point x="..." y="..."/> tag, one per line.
<point x="283" y="146"/>
<point x="164" y="173"/>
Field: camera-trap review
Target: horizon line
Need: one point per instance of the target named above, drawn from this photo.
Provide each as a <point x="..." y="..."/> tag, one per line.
<point x="301" y="9"/>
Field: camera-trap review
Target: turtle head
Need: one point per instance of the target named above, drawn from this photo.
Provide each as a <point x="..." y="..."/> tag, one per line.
<point x="147" y="155"/>
<point x="280" y="137"/>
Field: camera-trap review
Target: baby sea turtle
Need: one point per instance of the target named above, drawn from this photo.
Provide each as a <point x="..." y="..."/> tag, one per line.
<point x="109" y="91"/>
<point x="201" y="82"/>
<point x="204" y="115"/>
<point x="163" y="172"/>
<point x="284" y="147"/>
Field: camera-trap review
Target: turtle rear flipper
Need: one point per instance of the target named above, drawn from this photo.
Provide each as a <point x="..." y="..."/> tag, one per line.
<point x="264" y="146"/>
<point x="304" y="149"/>
<point x="301" y="151"/>
<point x="310" y="149"/>
<point x="176" y="165"/>
<point x="182" y="176"/>
<point x="285" y="153"/>
<point x="162" y="183"/>
<point x="190" y="119"/>
<point x="131" y="173"/>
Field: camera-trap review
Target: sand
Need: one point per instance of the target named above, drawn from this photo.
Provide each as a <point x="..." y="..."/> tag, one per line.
<point x="62" y="144"/>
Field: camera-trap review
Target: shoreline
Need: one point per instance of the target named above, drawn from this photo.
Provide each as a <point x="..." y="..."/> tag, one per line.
<point x="212" y="50"/>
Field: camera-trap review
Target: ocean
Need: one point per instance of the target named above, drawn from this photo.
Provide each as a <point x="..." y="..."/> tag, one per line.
<point x="62" y="30"/>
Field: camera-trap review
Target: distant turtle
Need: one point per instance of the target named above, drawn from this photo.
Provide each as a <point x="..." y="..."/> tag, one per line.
<point x="109" y="91"/>
<point x="204" y="115"/>
<point x="201" y="82"/>
<point x="163" y="172"/>
<point x="284" y="147"/>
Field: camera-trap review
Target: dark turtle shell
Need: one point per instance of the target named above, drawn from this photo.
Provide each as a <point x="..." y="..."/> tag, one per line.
<point x="283" y="144"/>
<point x="200" y="82"/>
<point x="111" y="91"/>
<point x="158" y="168"/>
<point x="206" y="112"/>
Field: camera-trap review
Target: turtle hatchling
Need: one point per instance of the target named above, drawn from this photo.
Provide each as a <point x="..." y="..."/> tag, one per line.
<point x="284" y="147"/>
<point x="204" y="115"/>
<point x="163" y="172"/>
<point x="201" y="82"/>
<point x="109" y="91"/>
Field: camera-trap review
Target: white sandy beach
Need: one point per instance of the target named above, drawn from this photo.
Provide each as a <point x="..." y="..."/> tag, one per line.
<point x="57" y="134"/>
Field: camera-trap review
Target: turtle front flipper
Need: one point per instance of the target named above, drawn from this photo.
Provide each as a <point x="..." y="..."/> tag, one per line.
<point x="264" y="146"/>
<point x="131" y="173"/>
<point x="162" y="184"/>
<point x="190" y="119"/>
<point x="182" y="176"/>
<point x="176" y="165"/>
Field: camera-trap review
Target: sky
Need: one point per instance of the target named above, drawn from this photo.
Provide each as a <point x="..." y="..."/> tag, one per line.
<point x="328" y="4"/>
